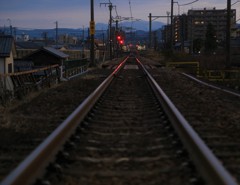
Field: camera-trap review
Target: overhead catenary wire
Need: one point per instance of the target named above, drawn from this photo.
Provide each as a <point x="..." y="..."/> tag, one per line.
<point x="130" y="7"/>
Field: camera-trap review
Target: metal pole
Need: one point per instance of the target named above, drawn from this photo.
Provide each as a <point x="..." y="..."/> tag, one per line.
<point x="92" y="57"/>
<point x="116" y="44"/>
<point x="150" y="30"/>
<point x="182" y="20"/>
<point x="83" y="56"/>
<point x="56" y="34"/>
<point x="228" y="35"/>
<point x="110" y="31"/>
<point x="117" y="25"/>
<point x="171" y="34"/>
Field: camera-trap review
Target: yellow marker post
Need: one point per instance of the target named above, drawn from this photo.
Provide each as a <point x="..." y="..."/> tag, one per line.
<point x="92" y="27"/>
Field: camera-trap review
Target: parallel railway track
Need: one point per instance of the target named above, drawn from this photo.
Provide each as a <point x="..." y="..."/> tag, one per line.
<point x="124" y="133"/>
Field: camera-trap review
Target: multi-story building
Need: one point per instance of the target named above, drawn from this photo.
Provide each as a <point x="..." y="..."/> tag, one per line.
<point x="180" y="30"/>
<point x="193" y="26"/>
<point x="166" y="35"/>
<point x="198" y="19"/>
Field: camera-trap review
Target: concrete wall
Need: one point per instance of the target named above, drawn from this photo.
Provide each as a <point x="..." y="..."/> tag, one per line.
<point x="5" y="63"/>
<point x="9" y="60"/>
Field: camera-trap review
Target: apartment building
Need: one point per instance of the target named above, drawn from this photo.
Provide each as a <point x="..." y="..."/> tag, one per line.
<point x="193" y="26"/>
<point x="180" y="29"/>
<point x="198" y="19"/>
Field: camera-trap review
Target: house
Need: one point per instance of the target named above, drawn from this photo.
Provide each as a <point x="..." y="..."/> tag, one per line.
<point x="24" y="48"/>
<point x="46" y="56"/>
<point x="7" y="53"/>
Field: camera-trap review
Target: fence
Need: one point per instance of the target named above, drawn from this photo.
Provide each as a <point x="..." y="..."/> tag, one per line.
<point x="21" y="83"/>
<point x="74" y="67"/>
<point x="188" y="67"/>
<point x="223" y="75"/>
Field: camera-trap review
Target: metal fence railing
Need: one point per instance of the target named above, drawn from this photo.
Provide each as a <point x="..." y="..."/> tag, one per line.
<point x="21" y="83"/>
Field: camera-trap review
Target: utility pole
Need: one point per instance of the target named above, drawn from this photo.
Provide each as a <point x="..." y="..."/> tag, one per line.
<point x="117" y="25"/>
<point x="168" y="13"/>
<point x="228" y="35"/>
<point x="110" y="6"/>
<point x="83" y="43"/>
<point x="110" y="29"/>
<point x="150" y="30"/>
<point x="15" y="32"/>
<point x="56" y="34"/>
<point x="44" y="34"/>
<point x="10" y="26"/>
<point x="92" y="32"/>
<point x="150" y="26"/>
<point x="171" y="34"/>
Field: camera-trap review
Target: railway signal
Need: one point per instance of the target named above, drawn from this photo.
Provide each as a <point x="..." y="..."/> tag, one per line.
<point x="120" y="39"/>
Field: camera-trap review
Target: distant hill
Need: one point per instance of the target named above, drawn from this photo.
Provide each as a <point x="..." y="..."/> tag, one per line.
<point x="138" y="25"/>
<point x="51" y="33"/>
<point x="100" y="28"/>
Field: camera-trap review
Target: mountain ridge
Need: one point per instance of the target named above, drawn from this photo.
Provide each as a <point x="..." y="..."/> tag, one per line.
<point x="100" y="27"/>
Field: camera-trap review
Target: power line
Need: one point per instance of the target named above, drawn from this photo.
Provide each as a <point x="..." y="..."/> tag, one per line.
<point x="130" y="7"/>
<point x="116" y="11"/>
<point x="110" y="6"/>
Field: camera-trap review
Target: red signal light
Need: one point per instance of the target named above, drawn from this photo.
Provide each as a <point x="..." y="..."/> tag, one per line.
<point x="120" y="39"/>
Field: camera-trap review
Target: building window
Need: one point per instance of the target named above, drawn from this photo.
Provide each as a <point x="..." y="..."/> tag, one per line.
<point x="196" y="22"/>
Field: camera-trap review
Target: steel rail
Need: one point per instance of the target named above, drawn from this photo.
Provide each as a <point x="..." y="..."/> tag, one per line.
<point x="206" y="162"/>
<point x="210" y="85"/>
<point x="33" y="166"/>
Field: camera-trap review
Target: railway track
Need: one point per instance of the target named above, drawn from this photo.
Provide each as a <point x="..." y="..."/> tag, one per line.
<point x="217" y="127"/>
<point x="124" y="133"/>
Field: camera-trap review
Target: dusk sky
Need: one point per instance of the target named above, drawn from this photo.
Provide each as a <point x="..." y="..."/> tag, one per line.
<point x="76" y="13"/>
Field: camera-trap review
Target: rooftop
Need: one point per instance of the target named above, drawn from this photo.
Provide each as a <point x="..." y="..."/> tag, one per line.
<point x="6" y="43"/>
<point x="55" y="52"/>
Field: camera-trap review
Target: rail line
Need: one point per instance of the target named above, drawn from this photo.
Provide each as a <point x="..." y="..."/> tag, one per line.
<point x="126" y="131"/>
